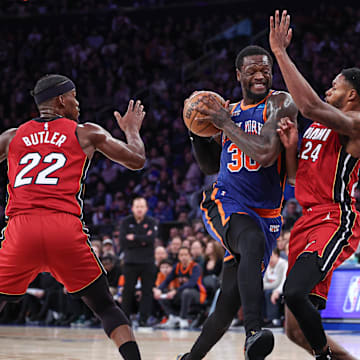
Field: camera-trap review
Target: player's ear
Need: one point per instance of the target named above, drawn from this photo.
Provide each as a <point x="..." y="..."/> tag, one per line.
<point x="238" y="75"/>
<point x="352" y="95"/>
<point x="61" y="100"/>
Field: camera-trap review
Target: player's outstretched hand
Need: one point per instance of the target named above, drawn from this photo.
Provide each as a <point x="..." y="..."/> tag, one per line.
<point x="211" y="110"/>
<point x="133" y="118"/>
<point x="280" y="32"/>
<point x="288" y="133"/>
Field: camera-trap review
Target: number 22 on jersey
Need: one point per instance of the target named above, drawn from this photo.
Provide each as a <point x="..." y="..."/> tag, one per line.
<point x="56" y="161"/>
<point x="240" y="160"/>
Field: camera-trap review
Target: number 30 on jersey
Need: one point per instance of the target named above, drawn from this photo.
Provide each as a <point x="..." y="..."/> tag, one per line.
<point x="240" y="160"/>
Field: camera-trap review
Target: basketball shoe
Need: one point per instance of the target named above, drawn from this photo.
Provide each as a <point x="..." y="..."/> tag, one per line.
<point x="258" y="344"/>
<point x="324" y="356"/>
<point x="181" y="356"/>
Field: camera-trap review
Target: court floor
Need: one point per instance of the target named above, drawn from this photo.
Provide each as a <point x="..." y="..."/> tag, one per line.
<point x="37" y="343"/>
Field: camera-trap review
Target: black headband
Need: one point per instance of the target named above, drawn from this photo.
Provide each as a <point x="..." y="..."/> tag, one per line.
<point x="53" y="91"/>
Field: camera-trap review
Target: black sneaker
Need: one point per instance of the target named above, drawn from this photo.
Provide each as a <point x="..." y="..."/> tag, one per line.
<point x="181" y="356"/>
<point x="259" y="344"/>
<point x="327" y="355"/>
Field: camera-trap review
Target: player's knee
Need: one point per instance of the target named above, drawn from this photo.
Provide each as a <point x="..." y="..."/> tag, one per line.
<point x="186" y="293"/>
<point x="293" y="294"/>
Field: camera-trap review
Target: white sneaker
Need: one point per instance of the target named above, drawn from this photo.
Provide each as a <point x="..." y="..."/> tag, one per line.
<point x="183" y="323"/>
<point x="171" y="323"/>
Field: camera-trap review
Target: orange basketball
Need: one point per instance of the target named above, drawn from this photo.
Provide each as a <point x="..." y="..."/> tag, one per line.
<point x="199" y="127"/>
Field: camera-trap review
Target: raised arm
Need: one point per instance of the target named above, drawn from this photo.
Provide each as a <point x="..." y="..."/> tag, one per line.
<point x="306" y="99"/>
<point x="263" y="148"/>
<point x="130" y="153"/>
<point x="5" y="139"/>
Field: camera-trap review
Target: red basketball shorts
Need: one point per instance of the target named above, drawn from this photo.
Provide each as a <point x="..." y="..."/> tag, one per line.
<point x="52" y="242"/>
<point x="333" y="231"/>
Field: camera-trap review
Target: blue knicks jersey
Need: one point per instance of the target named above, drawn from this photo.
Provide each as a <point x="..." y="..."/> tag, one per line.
<point x="241" y="178"/>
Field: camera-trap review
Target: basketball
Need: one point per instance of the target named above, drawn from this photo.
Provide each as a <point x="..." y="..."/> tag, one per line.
<point x="199" y="127"/>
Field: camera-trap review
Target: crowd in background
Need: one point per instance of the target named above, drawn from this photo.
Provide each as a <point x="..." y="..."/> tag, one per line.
<point x="119" y="55"/>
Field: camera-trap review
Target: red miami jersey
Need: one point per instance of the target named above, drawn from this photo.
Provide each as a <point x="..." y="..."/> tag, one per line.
<point x="326" y="172"/>
<point x="46" y="168"/>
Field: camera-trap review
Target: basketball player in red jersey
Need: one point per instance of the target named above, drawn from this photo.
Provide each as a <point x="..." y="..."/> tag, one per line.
<point x="328" y="172"/>
<point x="47" y="162"/>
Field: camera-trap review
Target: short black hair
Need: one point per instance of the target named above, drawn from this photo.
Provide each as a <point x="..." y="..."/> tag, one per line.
<point x="166" y="261"/>
<point x="249" y="51"/>
<point x="48" y="81"/>
<point x="352" y="75"/>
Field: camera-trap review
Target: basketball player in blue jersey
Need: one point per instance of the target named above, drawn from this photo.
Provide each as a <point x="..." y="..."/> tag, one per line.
<point x="242" y="208"/>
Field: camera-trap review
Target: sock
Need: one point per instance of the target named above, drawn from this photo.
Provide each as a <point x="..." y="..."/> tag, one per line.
<point x="130" y="351"/>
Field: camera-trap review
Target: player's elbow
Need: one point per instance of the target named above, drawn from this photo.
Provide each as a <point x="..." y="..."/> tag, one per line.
<point x="266" y="159"/>
<point x="137" y="163"/>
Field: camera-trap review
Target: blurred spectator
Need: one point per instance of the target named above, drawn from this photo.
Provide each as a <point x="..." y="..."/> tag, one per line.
<point x="160" y="254"/>
<point x="173" y="248"/>
<point x="197" y="252"/>
<point x="214" y="254"/>
<point x="283" y="242"/>
<point x="113" y="271"/>
<point x="274" y="279"/>
<point x="108" y="247"/>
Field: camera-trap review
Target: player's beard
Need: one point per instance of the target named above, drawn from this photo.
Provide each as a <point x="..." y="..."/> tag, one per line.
<point x="257" y="97"/>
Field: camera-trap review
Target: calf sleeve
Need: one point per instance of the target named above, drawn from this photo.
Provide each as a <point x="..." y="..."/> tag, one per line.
<point x="99" y="299"/>
<point x="302" y="278"/>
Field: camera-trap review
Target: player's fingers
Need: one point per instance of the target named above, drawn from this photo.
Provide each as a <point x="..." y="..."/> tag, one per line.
<point x="271" y="23"/>
<point x="277" y="19"/>
<point x="203" y="118"/>
<point x="131" y="105"/>
<point x="203" y="110"/>
<point x="117" y="115"/>
<point x="287" y="22"/>
<point x="283" y="19"/>
<point x="289" y="35"/>
<point x="137" y="105"/>
<point x="227" y="104"/>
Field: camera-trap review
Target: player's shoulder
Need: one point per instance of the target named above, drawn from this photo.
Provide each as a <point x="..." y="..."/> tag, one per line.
<point x="9" y="134"/>
<point x="280" y="95"/>
<point x="232" y="106"/>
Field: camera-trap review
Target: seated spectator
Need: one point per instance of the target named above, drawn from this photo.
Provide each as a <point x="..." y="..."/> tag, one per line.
<point x="177" y="303"/>
<point x="97" y="247"/>
<point x="292" y="211"/>
<point x="173" y="248"/>
<point x="197" y="252"/>
<point x="108" y="246"/>
<point x="282" y="242"/>
<point x="159" y="255"/>
<point x="113" y="271"/>
<point x="214" y="254"/>
<point x="274" y="279"/>
<point x="165" y="268"/>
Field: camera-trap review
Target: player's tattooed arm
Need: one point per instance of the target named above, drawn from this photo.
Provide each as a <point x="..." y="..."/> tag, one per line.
<point x="5" y="139"/>
<point x="264" y="147"/>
